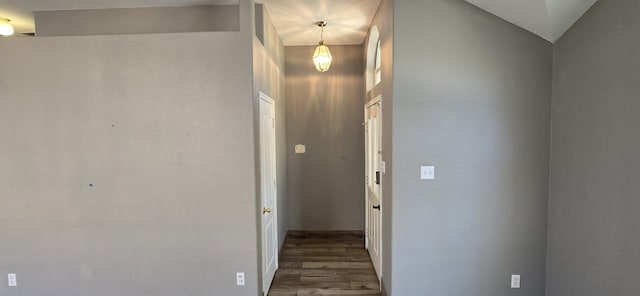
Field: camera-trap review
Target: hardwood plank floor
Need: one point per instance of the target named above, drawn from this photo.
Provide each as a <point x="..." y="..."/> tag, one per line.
<point x="325" y="263"/>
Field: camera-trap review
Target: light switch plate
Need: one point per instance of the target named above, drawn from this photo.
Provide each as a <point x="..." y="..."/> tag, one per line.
<point x="300" y="149"/>
<point x="12" y="280"/>
<point x="515" y="281"/>
<point x="427" y="172"/>
<point x="383" y="167"/>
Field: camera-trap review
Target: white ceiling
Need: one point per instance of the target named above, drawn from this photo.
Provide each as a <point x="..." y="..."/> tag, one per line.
<point x="549" y="19"/>
<point x="348" y="20"/>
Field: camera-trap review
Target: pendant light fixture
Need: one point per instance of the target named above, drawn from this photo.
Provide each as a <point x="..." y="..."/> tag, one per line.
<point x="322" y="56"/>
<point x="6" y="29"/>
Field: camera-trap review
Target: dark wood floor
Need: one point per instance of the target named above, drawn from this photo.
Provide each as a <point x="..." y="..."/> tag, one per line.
<point x="325" y="263"/>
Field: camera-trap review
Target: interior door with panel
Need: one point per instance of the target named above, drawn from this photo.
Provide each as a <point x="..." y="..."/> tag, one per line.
<point x="373" y="160"/>
<point x="268" y="190"/>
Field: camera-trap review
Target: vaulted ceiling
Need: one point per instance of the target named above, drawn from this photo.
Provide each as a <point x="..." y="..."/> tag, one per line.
<point x="549" y="19"/>
<point x="348" y="19"/>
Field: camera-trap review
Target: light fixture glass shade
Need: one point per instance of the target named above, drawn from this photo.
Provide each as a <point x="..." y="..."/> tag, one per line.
<point x="6" y="29"/>
<point x="322" y="58"/>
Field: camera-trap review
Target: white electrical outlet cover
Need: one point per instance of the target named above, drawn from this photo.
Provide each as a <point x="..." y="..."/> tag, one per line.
<point x="240" y="279"/>
<point x="515" y="281"/>
<point x="12" y="280"/>
<point x="427" y="172"/>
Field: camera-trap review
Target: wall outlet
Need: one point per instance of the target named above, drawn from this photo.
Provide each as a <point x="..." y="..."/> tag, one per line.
<point x="240" y="279"/>
<point x="515" y="281"/>
<point x="12" y="280"/>
<point x="427" y="172"/>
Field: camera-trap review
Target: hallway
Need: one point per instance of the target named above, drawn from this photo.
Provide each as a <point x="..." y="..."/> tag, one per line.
<point x="325" y="263"/>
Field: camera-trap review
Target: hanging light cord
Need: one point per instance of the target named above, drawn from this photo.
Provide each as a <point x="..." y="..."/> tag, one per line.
<point x="321" y="24"/>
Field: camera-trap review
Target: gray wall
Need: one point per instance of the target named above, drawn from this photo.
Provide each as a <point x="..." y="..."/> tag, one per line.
<point x="268" y="69"/>
<point x="325" y="113"/>
<point x="383" y="20"/>
<point x="161" y="125"/>
<point x="595" y="193"/>
<point x="137" y="20"/>
<point x="471" y="97"/>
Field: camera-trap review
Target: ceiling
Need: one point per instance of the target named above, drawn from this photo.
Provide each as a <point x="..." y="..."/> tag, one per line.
<point x="348" y="20"/>
<point x="549" y="19"/>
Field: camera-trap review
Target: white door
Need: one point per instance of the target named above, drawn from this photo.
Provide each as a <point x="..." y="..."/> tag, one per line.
<point x="268" y="191"/>
<point x="373" y="154"/>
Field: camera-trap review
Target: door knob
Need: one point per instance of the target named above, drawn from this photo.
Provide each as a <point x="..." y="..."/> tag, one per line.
<point x="266" y="210"/>
<point x="377" y="207"/>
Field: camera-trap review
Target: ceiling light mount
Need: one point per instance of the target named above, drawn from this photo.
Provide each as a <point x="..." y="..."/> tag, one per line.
<point x="322" y="56"/>
<point x="6" y="29"/>
<point x="321" y="25"/>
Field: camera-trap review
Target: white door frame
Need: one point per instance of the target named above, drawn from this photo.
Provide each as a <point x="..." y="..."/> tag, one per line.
<point x="272" y="211"/>
<point x="376" y="101"/>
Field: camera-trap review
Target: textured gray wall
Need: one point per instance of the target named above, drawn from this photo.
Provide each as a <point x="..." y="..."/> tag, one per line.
<point x="595" y="193"/>
<point x="161" y="125"/>
<point x="472" y="97"/>
<point x="383" y="20"/>
<point x="137" y="20"/>
<point x="325" y="113"/>
<point x="268" y="69"/>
